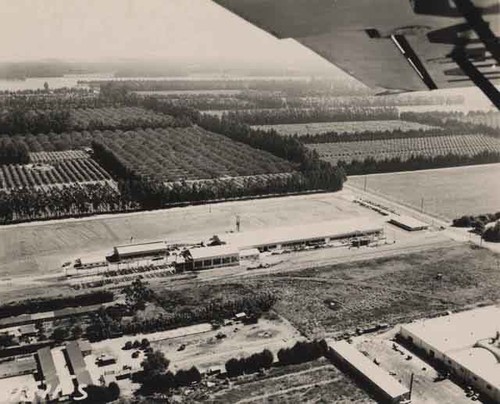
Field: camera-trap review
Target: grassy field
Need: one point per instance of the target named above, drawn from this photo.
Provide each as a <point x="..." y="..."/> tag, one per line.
<point x="448" y="192"/>
<point x="309" y="382"/>
<point x="316" y="128"/>
<point x="393" y="289"/>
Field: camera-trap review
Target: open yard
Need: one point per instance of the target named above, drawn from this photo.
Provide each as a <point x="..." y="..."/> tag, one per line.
<point x="301" y="129"/>
<point x="42" y="247"/>
<point x="446" y="192"/>
<point x="336" y="298"/>
<point x="318" y="381"/>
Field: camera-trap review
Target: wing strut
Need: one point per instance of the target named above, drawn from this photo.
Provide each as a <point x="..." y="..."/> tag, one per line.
<point x="461" y="59"/>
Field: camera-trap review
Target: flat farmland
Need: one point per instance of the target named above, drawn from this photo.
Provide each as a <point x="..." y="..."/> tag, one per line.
<point x="176" y="154"/>
<point x="446" y="192"/>
<point x="42" y="247"/>
<point x="69" y="171"/>
<point x="301" y="129"/>
<point x="404" y="148"/>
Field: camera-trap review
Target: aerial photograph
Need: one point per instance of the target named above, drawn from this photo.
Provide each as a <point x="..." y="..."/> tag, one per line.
<point x="250" y="201"/>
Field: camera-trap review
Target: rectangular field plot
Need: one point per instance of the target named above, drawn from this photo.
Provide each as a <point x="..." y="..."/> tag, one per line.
<point x="92" y="118"/>
<point x="301" y="129"/>
<point x="447" y="192"/>
<point x="44" y="157"/>
<point x="59" y="172"/>
<point x="176" y="154"/>
<point x="405" y="148"/>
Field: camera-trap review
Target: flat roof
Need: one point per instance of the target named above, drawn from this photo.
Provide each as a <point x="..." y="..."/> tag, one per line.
<point x="48" y="368"/>
<point x="408" y="221"/>
<point x="480" y="362"/>
<point x="144" y="248"/>
<point x="378" y="376"/>
<point x="18" y="366"/>
<point x="212" y="252"/>
<point x="456" y="335"/>
<point x="78" y="363"/>
<point x="457" y="331"/>
<point x="297" y="233"/>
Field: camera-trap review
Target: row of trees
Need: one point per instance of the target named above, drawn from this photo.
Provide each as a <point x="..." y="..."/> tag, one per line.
<point x="13" y="151"/>
<point x="492" y="233"/>
<point x="340" y="137"/>
<point x="20" y="120"/>
<point x="26" y="204"/>
<point x="251" y="364"/>
<point x="154" y="377"/>
<point x="303" y="351"/>
<point x="418" y="162"/>
<point x="108" y="322"/>
<point x="303" y="115"/>
<point x="50" y="304"/>
<point x="477" y="221"/>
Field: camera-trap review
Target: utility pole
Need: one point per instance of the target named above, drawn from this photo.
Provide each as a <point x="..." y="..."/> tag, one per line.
<point x="237" y="223"/>
<point x="364" y="188"/>
<point x="422" y="206"/>
<point x="411" y="385"/>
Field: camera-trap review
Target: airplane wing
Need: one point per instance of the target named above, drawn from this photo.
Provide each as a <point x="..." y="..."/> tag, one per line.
<point x="393" y="44"/>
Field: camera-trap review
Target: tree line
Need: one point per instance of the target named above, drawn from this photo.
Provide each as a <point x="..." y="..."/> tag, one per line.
<point x="107" y="322"/>
<point x="56" y="303"/>
<point x="416" y="162"/>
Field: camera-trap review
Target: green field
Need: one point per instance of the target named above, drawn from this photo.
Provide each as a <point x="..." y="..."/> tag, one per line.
<point x="301" y="129"/>
<point x="447" y="192"/>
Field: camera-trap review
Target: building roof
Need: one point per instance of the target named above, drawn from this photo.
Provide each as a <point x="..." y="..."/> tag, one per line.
<point x="378" y="376"/>
<point x="144" y="248"/>
<point x="480" y="362"/>
<point x="457" y="334"/>
<point x="48" y="368"/>
<point x="408" y="222"/>
<point x="249" y="252"/>
<point x="457" y="331"/>
<point x="212" y="252"/>
<point x="77" y="363"/>
<point x="18" y="367"/>
<point x="291" y="234"/>
<point x="28" y="329"/>
<point x="85" y="346"/>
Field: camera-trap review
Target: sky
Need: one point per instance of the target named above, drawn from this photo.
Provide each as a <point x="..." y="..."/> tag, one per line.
<point x="180" y="30"/>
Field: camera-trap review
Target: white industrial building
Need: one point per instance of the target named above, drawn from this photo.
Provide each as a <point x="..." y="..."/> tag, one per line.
<point x="135" y="251"/>
<point x="382" y="384"/>
<point x="362" y="229"/>
<point x="408" y="223"/>
<point x="209" y="257"/>
<point x="467" y="343"/>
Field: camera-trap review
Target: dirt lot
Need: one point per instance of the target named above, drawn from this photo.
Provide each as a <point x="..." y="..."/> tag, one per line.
<point x="42" y="247"/>
<point x="318" y="381"/>
<point x="425" y="389"/>
<point x="447" y="192"/>
<point x="392" y="289"/>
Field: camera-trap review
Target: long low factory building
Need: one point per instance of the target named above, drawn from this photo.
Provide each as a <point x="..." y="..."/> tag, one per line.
<point x="209" y="257"/>
<point x="382" y="384"/>
<point x="360" y="229"/>
<point x="466" y="343"/>
<point x="135" y="251"/>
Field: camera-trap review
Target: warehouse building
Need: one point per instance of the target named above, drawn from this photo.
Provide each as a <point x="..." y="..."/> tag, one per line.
<point x="380" y="383"/>
<point x="358" y="231"/>
<point x="136" y="251"/>
<point x="408" y="223"/>
<point x="209" y="257"/>
<point x="467" y="344"/>
<point x="77" y="364"/>
<point x="48" y="372"/>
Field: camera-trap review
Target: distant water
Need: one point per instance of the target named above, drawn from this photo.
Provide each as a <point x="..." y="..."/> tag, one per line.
<point x="35" y="83"/>
<point x="71" y="80"/>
